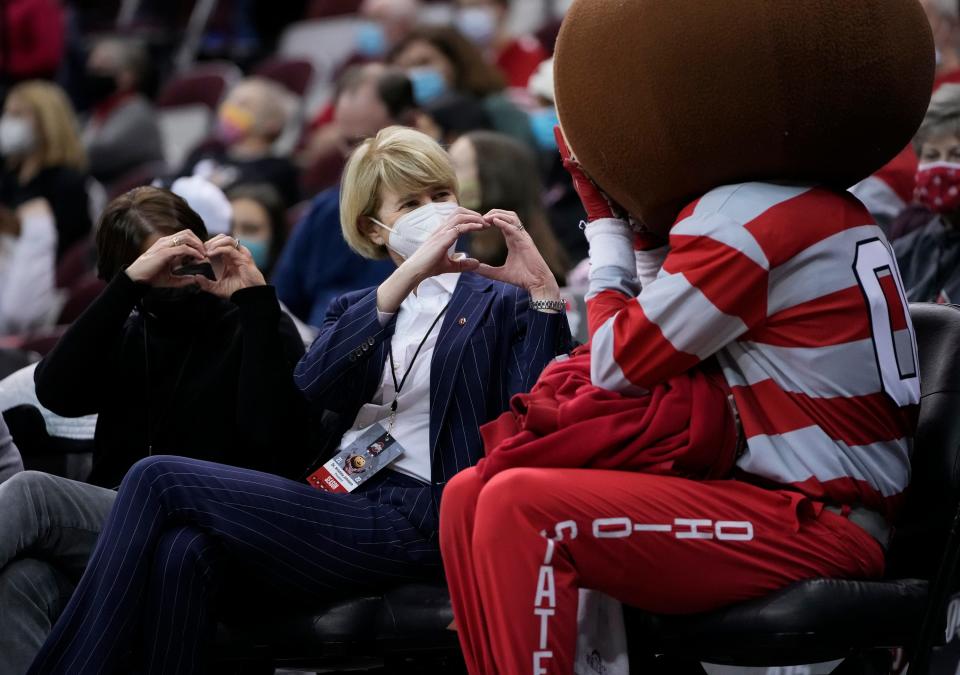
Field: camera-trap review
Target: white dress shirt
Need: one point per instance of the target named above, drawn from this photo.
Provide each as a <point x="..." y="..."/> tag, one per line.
<point x="412" y="427"/>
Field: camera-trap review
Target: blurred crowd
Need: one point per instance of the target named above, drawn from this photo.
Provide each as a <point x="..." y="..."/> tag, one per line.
<point x="255" y="132"/>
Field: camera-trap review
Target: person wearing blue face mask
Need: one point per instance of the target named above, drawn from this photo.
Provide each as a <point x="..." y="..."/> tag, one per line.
<point x="439" y="60"/>
<point x="485" y="23"/>
<point x="386" y="22"/>
<point x="259" y="222"/>
<point x="544" y="118"/>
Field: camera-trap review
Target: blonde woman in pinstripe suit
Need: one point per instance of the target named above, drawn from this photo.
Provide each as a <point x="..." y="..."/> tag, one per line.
<point x="483" y="334"/>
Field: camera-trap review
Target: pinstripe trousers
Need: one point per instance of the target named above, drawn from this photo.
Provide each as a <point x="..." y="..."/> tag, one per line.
<point x="183" y="531"/>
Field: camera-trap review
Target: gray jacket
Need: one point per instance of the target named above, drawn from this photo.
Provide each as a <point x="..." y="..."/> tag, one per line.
<point x="10" y="462"/>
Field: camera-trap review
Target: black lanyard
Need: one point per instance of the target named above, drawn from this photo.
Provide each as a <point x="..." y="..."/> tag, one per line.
<point x="393" y="369"/>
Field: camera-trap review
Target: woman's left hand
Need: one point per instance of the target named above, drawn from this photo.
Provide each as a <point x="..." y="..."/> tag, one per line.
<point x="524" y="267"/>
<point x="238" y="269"/>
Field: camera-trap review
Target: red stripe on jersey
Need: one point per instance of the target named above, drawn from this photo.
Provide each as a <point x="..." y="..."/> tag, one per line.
<point x="687" y="211"/>
<point x="840" y="491"/>
<point x="788" y="228"/>
<point x="831" y="319"/>
<point x="734" y="283"/>
<point x="766" y="409"/>
<point x="644" y="355"/>
<point x="895" y="308"/>
<point x="602" y="306"/>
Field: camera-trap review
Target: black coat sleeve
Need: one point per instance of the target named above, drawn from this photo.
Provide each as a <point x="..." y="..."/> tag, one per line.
<point x="71" y="378"/>
<point x="271" y="411"/>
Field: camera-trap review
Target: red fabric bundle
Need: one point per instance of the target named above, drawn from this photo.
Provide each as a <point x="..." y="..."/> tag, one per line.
<point x="683" y="427"/>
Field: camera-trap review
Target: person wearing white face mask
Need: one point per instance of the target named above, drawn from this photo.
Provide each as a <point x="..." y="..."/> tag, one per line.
<point x="44" y="158"/>
<point x="407" y="373"/>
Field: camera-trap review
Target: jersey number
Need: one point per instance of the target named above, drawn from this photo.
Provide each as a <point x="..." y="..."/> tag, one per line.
<point x="893" y="340"/>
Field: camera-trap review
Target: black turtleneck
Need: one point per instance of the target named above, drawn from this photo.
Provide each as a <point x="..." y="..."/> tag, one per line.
<point x="197" y="376"/>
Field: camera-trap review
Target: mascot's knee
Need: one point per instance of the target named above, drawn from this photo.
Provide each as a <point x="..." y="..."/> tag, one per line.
<point x="460" y="494"/>
<point x="508" y="504"/>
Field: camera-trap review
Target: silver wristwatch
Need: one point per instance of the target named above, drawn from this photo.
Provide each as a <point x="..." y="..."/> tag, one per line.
<point x="541" y="305"/>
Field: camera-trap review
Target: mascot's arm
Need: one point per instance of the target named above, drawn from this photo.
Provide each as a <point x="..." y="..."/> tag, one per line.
<point x="620" y="265"/>
<point x="621" y="259"/>
<point x="706" y="296"/>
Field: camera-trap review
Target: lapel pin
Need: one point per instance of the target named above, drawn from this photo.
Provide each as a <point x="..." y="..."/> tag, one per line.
<point x="462" y="321"/>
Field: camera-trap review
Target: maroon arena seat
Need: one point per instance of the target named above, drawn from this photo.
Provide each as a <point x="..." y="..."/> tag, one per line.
<point x="294" y="74"/>
<point x="204" y="85"/>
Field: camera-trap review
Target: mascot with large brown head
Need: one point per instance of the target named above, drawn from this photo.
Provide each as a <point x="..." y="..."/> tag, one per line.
<point x="663" y="100"/>
<point x="734" y="280"/>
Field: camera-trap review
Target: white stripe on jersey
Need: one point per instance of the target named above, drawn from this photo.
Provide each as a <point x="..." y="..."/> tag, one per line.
<point x="604" y="370"/>
<point x="804" y="370"/>
<point x="719" y="227"/>
<point x="792" y="283"/>
<point x="687" y="318"/>
<point x="884" y="466"/>
<point x="744" y="202"/>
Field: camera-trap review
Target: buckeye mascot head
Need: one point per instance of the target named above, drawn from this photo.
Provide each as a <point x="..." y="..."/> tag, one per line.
<point x="664" y="100"/>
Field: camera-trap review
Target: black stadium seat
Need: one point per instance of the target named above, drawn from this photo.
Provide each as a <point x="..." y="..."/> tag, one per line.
<point x="811" y="621"/>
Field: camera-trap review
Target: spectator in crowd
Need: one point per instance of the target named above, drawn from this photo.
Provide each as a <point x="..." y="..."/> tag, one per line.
<point x="495" y="171"/>
<point x="259" y="222"/>
<point x="399" y="200"/>
<point x="448" y="117"/>
<point x="438" y="60"/>
<point x="560" y="199"/>
<point x="32" y="36"/>
<point x="167" y="368"/>
<point x="387" y="23"/>
<point x="250" y="120"/>
<point x="10" y="462"/>
<point x="484" y="22"/>
<point x="154" y="331"/>
<point x="122" y="133"/>
<point x="929" y="257"/>
<point x="944" y="17"/>
<point x="44" y="158"/>
<point x="29" y="299"/>
<point x="363" y="93"/>
<point x="317" y="265"/>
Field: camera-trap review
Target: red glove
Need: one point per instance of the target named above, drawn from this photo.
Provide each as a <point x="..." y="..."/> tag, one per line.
<point x="595" y="202"/>
<point x="645" y="240"/>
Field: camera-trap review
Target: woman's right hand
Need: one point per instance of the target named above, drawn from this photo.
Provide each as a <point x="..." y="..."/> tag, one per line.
<point x="431" y="259"/>
<point x="156" y="265"/>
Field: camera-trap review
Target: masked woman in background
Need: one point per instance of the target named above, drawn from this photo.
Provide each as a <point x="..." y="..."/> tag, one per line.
<point x="44" y="158"/>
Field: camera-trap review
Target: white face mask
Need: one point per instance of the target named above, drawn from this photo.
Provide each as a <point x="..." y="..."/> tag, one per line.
<point x="478" y="24"/>
<point x="16" y="136"/>
<point x="412" y="229"/>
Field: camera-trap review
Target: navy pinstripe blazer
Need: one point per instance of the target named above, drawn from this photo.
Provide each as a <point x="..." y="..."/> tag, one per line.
<point x="491" y="346"/>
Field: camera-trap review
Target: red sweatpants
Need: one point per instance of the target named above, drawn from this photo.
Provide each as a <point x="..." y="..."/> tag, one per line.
<point x="517" y="549"/>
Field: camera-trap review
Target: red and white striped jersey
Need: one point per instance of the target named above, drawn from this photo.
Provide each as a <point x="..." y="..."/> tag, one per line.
<point x="796" y="292"/>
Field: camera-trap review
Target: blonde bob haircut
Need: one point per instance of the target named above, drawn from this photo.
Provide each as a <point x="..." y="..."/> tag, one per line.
<point x="402" y="160"/>
<point x="58" y="141"/>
